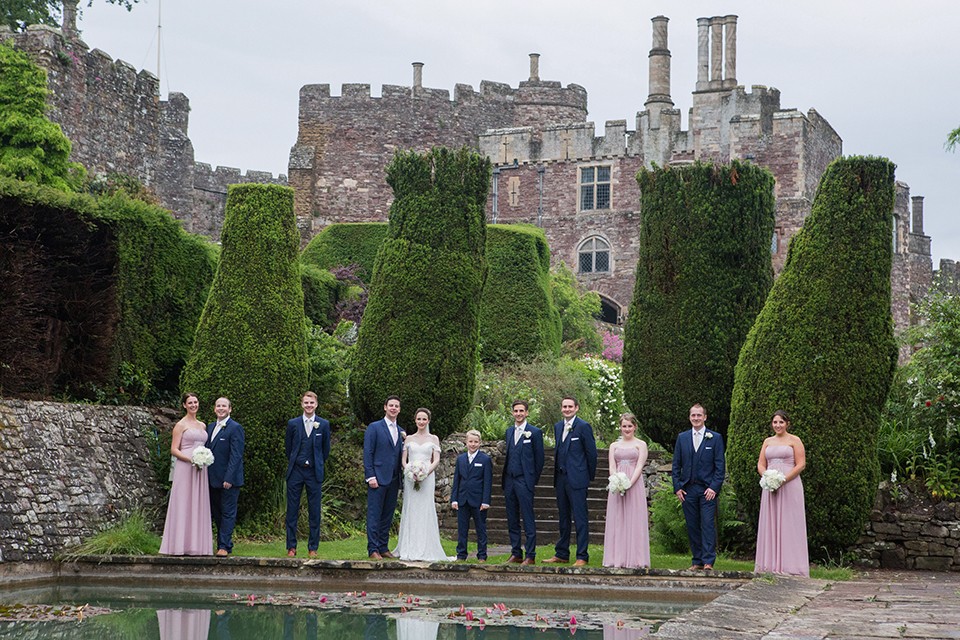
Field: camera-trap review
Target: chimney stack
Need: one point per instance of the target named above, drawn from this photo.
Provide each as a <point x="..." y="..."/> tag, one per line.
<point x="417" y="76"/>
<point x="917" y="224"/>
<point x="659" y="77"/>
<point x="534" y="67"/>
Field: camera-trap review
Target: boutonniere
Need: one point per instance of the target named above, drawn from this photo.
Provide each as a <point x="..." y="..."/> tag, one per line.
<point x="527" y="434"/>
<point x="708" y="435"/>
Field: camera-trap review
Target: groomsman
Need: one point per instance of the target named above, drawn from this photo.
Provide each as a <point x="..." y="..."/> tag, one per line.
<point x="382" y="448"/>
<point x="470" y="497"/>
<point x="225" y="436"/>
<point x="521" y="473"/>
<point x="308" y="446"/>
<point x="698" y="470"/>
<point x="575" y="468"/>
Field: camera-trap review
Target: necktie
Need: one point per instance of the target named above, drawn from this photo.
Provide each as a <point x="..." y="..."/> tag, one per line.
<point x="308" y="425"/>
<point x="566" y="430"/>
<point x="393" y="431"/>
<point x="697" y="435"/>
<point x="518" y="434"/>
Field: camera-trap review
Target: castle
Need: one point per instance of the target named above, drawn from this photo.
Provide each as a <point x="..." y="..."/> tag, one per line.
<point x="550" y="167"/>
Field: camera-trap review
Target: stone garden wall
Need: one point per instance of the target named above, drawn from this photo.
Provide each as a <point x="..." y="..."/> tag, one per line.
<point x="67" y="471"/>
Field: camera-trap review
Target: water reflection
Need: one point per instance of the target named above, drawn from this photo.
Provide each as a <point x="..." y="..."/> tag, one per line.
<point x="413" y="629"/>
<point x="183" y="624"/>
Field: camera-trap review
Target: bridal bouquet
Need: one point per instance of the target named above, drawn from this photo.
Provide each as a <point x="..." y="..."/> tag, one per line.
<point x="619" y="483"/>
<point x="416" y="471"/>
<point x="202" y="457"/>
<point x="772" y="479"/>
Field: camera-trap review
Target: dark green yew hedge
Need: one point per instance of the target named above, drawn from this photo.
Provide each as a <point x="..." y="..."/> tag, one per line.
<point x="823" y="350"/>
<point x="518" y="319"/>
<point x="251" y="343"/>
<point x="419" y="334"/>
<point x="703" y="272"/>
<point x="347" y="243"/>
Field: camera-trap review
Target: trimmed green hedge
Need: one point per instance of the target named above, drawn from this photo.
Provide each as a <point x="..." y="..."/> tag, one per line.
<point x="321" y="292"/>
<point x="251" y="342"/>
<point x="823" y="350"/>
<point x="419" y="334"/>
<point x="703" y="272"/>
<point x="518" y="319"/>
<point x="347" y="243"/>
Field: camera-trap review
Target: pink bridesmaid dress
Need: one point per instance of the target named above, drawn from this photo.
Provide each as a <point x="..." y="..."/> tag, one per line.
<point x="782" y="531"/>
<point x="626" y="534"/>
<point x="187" y="530"/>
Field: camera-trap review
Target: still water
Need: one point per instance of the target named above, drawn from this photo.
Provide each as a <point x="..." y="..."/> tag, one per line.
<point x="151" y="614"/>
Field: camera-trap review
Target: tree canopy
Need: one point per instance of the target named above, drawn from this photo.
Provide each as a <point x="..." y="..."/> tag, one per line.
<point x="19" y="14"/>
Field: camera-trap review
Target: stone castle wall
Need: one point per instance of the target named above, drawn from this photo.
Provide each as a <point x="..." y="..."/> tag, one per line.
<point x="67" y="471"/>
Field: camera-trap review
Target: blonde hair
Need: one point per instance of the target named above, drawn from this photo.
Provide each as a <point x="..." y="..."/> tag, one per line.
<point x="474" y="432"/>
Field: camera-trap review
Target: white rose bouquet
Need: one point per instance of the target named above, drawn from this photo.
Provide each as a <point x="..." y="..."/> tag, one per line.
<point x="202" y="457"/>
<point x="772" y="479"/>
<point x="619" y="483"/>
<point x="416" y="471"/>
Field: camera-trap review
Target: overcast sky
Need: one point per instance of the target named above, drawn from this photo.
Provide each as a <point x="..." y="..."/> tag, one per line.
<point x="884" y="73"/>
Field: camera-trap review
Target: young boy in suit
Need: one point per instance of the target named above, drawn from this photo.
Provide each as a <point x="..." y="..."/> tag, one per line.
<point x="470" y="498"/>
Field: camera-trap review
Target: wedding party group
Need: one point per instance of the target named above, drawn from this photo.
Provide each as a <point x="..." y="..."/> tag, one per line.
<point x="207" y="481"/>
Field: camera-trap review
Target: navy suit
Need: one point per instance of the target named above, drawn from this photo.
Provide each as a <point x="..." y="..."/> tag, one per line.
<point x="306" y="458"/>
<point x="381" y="460"/>
<point x="575" y="468"/>
<point x="521" y="473"/>
<point x="472" y="486"/>
<point x="694" y="472"/>
<point x="227" y="467"/>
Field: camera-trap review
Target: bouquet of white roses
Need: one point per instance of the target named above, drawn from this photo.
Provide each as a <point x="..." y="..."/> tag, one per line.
<point x="619" y="483"/>
<point x="772" y="479"/>
<point x="416" y="471"/>
<point x="202" y="457"/>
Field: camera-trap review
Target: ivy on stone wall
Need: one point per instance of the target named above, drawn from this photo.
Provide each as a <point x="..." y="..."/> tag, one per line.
<point x="518" y="318"/>
<point x="419" y="334"/>
<point x="822" y="349"/>
<point x="703" y="272"/>
<point x="251" y="341"/>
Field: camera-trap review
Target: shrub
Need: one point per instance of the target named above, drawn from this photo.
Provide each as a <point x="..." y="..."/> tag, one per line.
<point x="578" y="309"/>
<point x="132" y="536"/>
<point x="419" y="333"/>
<point x="703" y="272"/>
<point x="518" y="319"/>
<point x="321" y="293"/>
<point x="347" y="243"/>
<point x="669" y="527"/>
<point x="250" y="345"/>
<point x="822" y="349"/>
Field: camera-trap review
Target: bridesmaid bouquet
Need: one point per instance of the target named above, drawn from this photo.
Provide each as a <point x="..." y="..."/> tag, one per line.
<point x="202" y="457"/>
<point x="416" y="471"/>
<point x="772" y="479"/>
<point x="619" y="483"/>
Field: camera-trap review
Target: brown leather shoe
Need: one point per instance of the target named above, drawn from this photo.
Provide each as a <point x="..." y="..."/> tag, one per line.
<point x="580" y="563"/>
<point x="222" y="553"/>
<point x="376" y="556"/>
<point x="312" y="554"/>
<point x="291" y="553"/>
<point x="387" y="554"/>
<point x="708" y="567"/>
<point x="695" y="567"/>
<point x="528" y="562"/>
<point x="481" y="560"/>
<point x="514" y="560"/>
<point x="556" y="560"/>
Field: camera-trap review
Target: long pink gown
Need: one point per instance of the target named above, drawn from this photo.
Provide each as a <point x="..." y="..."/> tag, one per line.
<point x="187" y="530"/>
<point x="626" y="535"/>
<point x="782" y="531"/>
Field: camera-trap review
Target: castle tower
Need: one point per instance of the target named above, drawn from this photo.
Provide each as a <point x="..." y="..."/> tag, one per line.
<point x="541" y="102"/>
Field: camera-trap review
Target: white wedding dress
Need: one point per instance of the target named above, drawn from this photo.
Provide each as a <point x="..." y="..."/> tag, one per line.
<point x="419" y="530"/>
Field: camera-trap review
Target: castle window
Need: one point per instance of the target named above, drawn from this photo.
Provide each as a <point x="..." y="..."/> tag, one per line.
<point x="594" y="256"/>
<point x="594" y="188"/>
<point x="776" y="240"/>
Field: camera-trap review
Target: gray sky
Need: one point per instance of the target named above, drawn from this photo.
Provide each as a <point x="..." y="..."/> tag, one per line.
<point x="884" y="73"/>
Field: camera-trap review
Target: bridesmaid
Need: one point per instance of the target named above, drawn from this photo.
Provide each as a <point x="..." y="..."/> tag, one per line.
<point x="626" y="535"/>
<point x="187" y="530"/>
<point x="782" y="531"/>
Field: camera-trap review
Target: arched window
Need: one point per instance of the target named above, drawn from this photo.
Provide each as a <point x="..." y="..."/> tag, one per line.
<point x="609" y="311"/>
<point x="594" y="256"/>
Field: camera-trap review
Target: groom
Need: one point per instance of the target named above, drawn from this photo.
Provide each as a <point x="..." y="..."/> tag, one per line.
<point x="225" y="474"/>
<point x="307" y="445"/>
<point x="698" y="469"/>
<point x="382" y="447"/>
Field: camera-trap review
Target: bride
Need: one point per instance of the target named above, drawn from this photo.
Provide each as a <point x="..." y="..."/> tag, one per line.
<point x="419" y="530"/>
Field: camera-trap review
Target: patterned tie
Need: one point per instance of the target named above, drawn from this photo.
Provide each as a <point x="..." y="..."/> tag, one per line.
<point x="696" y="440"/>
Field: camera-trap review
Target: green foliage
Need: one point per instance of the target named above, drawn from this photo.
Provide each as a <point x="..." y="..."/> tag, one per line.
<point x="321" y="292"/>
<point x="918" y="436"/>
<point x="606" y="386"/>
<point x="250" y="345"/>
<point x="703" y="272"/>
<point x="822" y="349"/>
<point x="669" y="527"/>
<point x="953" y="139"/>
<point x="344" y="244"/>
<point x="518" y="319"/>
<point x="32" y="148"/>
<point x="419" y="334"/>
<point x="578" y="311"/>
<point x="19" y="14"/>
<point x="132" y="536"/>
<point x="329" y="359"/>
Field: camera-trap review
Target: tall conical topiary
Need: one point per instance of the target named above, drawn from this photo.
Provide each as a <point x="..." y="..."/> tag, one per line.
<point x="703" y="272"/>
<point x="518" y="318"/>
<point x="823" y="350"/>
<point x="250" y="345"/>
<point x="418" y="337"/>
